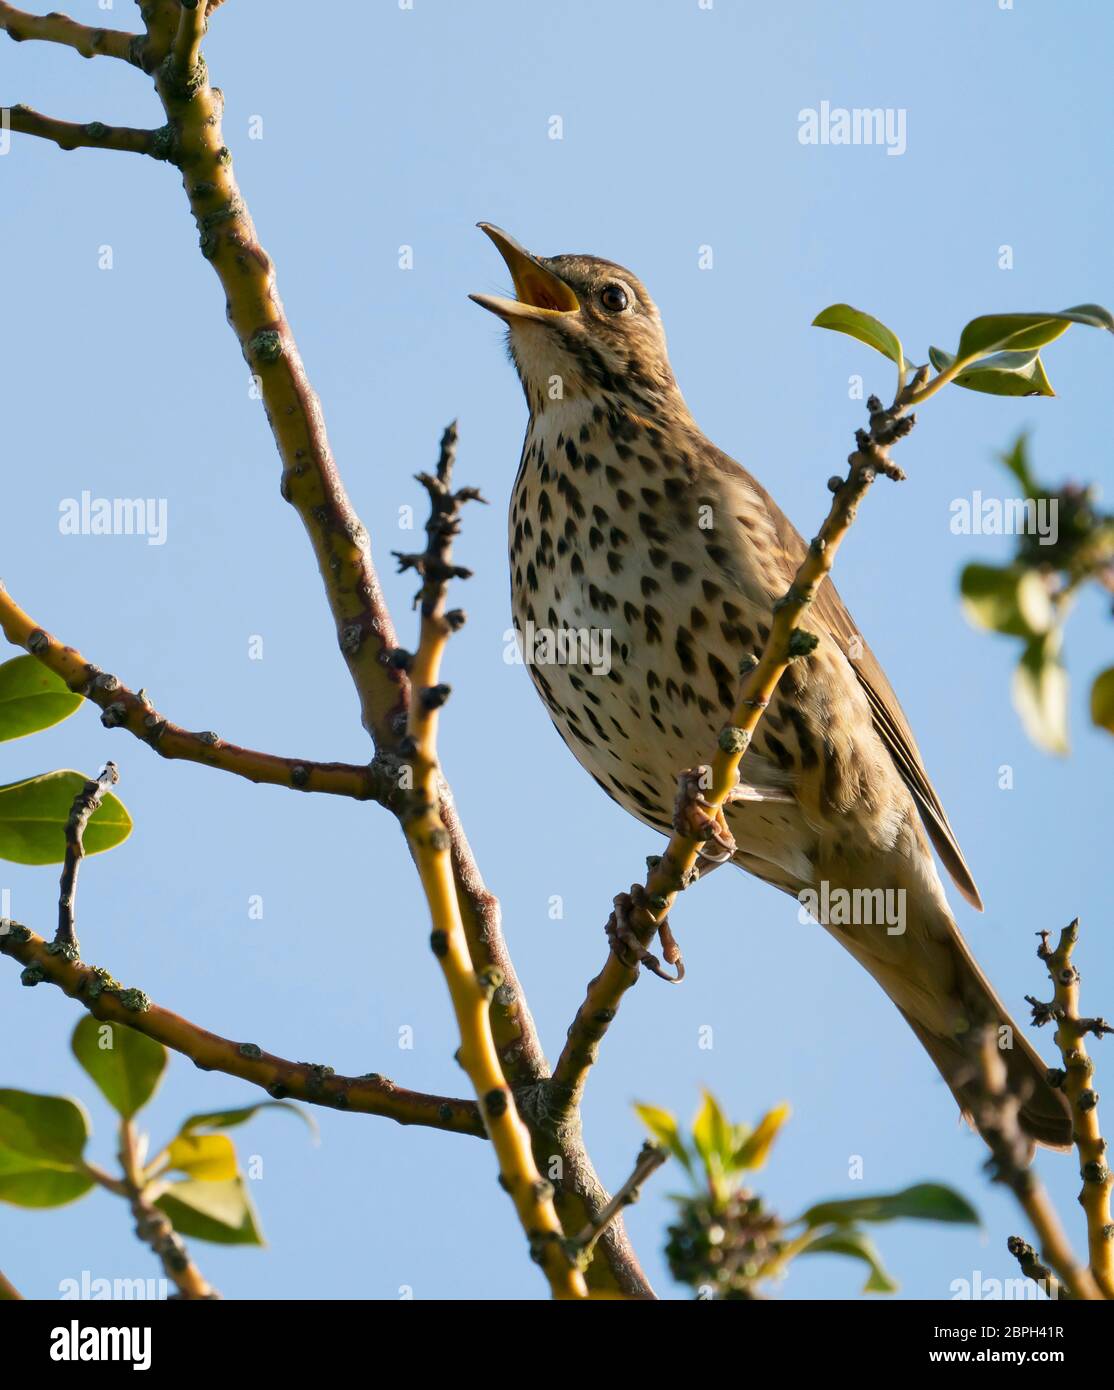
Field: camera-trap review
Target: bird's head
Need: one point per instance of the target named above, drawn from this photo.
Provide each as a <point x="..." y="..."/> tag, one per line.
<point x="579" y="326"/>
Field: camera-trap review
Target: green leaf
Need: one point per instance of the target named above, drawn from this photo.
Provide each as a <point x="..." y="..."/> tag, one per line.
<point x="49" y="1129"/>
<point x="755" y="1149"/>
<point x="33" y="816"/>
<point x="926" y="1201"/>
<point x="1000" y="374"/>
<point x="42" y="1139"/>
<point x="127" y="1066"/>
<point x="30" y="1182"/>
<point x="666" y="1131"/>
<point x="1102" y="700"/>
<point x="1010" y="599"/>
<point x="1022" y="332"/>
<point x="216" y="1211"/>
<point x="841" y="318"/>
<point x="32" y="698"/>
<point x="713" y="1136"/>
<point x="859" y="1245"/>
<point x="206" y="1157"/>
<point x="1040" y="693"/>
<point x="227" y="1119"/>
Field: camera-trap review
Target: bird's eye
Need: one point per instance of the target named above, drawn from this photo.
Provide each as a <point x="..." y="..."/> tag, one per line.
<point x="614" y="298"/>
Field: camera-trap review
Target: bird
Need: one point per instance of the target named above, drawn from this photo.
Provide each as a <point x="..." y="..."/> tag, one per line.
<point x="626" y="520"/>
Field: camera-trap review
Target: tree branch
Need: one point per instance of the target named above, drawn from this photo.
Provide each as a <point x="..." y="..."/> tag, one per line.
<point x="106" y="999"/>
<point x="124" y="709"/>
<point x="650" y="1159"/>
<point x="8" y="1291"/>
<point x="1078" y="1085"/>
<point x="310" y="482"/>
<point x="58" y="28"/>
<point x="469" y="989"/>
<point x="93" y="135"/>
<point x="1010" y="1163"/>
<point x="1032" y="1268"/>
<point x="84" y="804"/>
<point x="185" y="51"/>
<point x="155" y="1228"/>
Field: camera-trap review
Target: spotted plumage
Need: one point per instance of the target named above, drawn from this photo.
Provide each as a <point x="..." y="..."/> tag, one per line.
<point x="677" y="554"/>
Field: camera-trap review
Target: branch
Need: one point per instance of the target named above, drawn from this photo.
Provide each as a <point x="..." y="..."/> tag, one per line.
<point x="1011" y="1156"/>
<point x="310" y="482"/>
<point x="650" y="1159"/>
<point x="8" y="1291"/>
<point x="469" y="989"/>
<point x="1032" y="1268"/>
<point x="155" y="1228"/>
<point x="84" y="804"/>
<point x="698" y="819"/>
<point x="185" y="52"/>
<point x="124" y="709"/>
<point x="58" y="28"/>
<point x="161" y="18"/>
<point x="106" y="999"/>
<point x="1077" y="1080"/>
<point x="93" y="135"/>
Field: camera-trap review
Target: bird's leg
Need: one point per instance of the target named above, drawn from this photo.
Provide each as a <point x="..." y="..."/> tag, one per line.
<point x="691" y="818"/>
<point x="624" y="939"/>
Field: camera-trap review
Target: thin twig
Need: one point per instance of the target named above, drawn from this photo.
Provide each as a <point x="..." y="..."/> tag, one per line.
<point x="1078" y="1085"/>
<point x="430" y="846"/>
<point x="125" y="709"/>
<point x="650" y="1159"/>
<point x="87" y="800"/>
<point x="92" y="135"/>
<point x="107" y="999"/>
<point x="155" y="1228"/>
<point x="186" y="49"/>
<point x="1033" y="1268"/>
<point x="1010" y="1163"/>
<point x="58" y="28"/>
<point x="699" y="818"/>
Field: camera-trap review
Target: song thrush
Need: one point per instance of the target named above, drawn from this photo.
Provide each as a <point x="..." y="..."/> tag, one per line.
<point x="624" y="518"/>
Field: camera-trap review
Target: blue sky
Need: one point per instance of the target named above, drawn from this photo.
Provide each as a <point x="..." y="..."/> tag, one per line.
<point x="382" y="128"/>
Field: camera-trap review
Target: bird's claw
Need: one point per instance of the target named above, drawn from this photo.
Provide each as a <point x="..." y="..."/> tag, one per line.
<point x="625" y="942"/>
<point x="691" y="818"/>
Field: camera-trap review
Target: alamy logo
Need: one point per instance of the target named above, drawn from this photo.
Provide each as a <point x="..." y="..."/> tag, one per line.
<point x="853" y="907"/>
<point x="861" y="125"/>
<point x="77" y="1343"/>
<point x="980" y="1289"/>
<point x="1006" y="516"/>
<point x="113" y="516"/>
<point x="562" y="646"/>
<point x="116" y="1290"/>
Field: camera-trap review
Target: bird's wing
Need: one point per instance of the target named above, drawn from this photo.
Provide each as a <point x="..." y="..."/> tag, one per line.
<point x="889" y="718"/>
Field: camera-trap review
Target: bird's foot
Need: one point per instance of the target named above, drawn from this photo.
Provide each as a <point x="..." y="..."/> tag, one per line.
<point x="691" y="818"/>
<point x="625" y="942"/>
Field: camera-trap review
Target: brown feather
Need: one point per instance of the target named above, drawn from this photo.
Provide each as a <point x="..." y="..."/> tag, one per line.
<point x="889" y="718"/>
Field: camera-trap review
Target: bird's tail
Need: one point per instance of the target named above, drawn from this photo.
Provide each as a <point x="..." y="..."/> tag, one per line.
<point x="1044" y="1115"/>
<point x="930" y="974"/>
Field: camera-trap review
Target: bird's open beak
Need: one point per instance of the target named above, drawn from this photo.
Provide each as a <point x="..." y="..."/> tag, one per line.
<point x="541" y="294"/>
